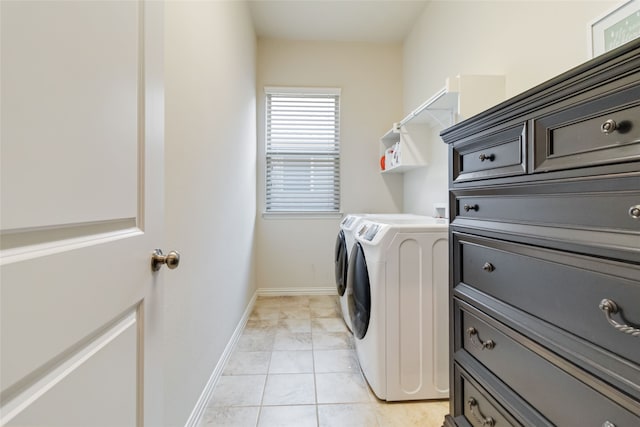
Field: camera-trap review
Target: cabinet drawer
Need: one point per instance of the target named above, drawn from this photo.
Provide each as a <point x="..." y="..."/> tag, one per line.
<point x="478" y="409"/>
<point x="563" y="400"/>
<point x="603" y="210"/>
<point x="601" y="131"/>
<point x="500" y="154"/>
<point x="563" y="289"/>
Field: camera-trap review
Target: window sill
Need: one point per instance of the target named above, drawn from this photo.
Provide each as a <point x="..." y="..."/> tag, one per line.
<point x="301" y="215"/>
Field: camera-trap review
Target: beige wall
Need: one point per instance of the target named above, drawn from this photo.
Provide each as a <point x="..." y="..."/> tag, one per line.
<point x="297" y="254"/>
<point x="526" y="41"/>
<point x="215" y="105"/>
<point x="210" y="189"/>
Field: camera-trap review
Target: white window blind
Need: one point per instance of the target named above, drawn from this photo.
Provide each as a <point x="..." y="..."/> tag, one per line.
<point x="303" y="151"/>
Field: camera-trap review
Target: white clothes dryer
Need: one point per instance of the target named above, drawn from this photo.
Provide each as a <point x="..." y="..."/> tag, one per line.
<point x="344" y="244"/>
<point x="397" y="293"/>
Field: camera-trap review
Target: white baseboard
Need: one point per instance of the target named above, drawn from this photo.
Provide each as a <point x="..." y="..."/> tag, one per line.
<point x="328" y="290"/>
<point x="201" y="404"/>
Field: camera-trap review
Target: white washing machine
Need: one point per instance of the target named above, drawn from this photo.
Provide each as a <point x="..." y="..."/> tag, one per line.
<point x="397" y="292"/>
<point x="344" y="244"/>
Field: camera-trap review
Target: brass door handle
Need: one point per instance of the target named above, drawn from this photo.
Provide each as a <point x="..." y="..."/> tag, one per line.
<point x="158" y="259"/>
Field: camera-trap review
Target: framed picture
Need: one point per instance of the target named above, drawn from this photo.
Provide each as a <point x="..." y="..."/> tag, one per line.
<point x="615" y="28"/>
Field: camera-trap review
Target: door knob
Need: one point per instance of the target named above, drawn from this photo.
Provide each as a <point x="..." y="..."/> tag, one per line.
<point x="172" y="259"/>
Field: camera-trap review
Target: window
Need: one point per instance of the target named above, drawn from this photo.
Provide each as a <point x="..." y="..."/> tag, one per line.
<point x="302" y="150"/>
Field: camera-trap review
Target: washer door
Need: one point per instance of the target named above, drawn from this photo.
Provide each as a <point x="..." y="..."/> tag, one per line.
<point x="341" y="263"/>
<point x="359" y="295"/>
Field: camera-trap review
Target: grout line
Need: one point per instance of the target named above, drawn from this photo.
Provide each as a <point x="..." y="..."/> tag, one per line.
<point x="266" y="379"/>
<point x="313" y="366"/>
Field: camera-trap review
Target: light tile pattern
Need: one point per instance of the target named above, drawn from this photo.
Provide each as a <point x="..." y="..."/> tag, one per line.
<point x="295" y="365"/>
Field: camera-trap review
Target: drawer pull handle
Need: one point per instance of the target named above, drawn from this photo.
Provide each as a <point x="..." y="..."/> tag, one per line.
<point x="477" y="342"/>
<point x="485" y="421"/>
<point x="608" y="424"/>
<point x="489" y="157"/>
<point x="609" y="126"/>
<point x="468" y="208"/>
<point x="609" y="307"/>
<point x="488" y="267"/>
<point x="634" y="211"/>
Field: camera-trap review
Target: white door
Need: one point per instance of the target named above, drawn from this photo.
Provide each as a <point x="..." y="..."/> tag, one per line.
<point x="81" y="212"/>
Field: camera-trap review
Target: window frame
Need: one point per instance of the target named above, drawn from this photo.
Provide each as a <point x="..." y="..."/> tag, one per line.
<point x="306" y="213"/>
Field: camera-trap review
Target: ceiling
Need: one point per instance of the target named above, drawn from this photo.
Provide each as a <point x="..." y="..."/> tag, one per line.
<point x="335" y="20"/>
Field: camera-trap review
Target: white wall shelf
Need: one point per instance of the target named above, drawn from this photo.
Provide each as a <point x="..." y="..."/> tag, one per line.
<point x="404" y="148"/>
<point x="439" y="110"/>
<point x="462" y="97"/>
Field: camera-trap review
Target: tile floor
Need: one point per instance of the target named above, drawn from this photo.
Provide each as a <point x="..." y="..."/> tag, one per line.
<point x="295" y="365"/>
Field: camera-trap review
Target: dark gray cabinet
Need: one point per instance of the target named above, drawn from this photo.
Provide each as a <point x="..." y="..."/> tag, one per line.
<point x="544" y="194"/>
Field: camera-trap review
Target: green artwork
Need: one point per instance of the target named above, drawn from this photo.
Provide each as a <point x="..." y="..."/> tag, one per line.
<point x="621" y="32"/>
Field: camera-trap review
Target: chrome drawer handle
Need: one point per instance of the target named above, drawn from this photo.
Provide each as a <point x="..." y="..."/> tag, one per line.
<point x="489" y="157"/>
<point x="477" y="342"/>
<point x="634" y="211"/>
<point x="609" y="126"/>
<point x="609" y="307"/>
<point x="488" y="267"/>
<point x="485" y="421"/>
<point x="468" y="208"/>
